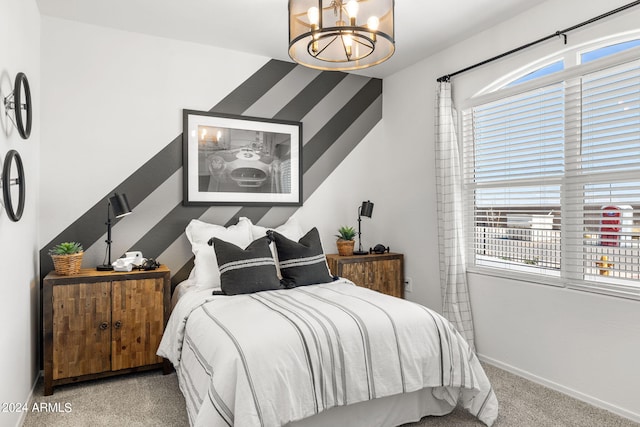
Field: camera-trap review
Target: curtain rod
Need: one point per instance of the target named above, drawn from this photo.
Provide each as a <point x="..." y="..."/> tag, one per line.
<point x="562" y="33"/>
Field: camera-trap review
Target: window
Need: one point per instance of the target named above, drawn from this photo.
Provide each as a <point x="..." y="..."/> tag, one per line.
<point x="592" y="55"/>
<point x="515" y="164"/>
<point x="549" y="69"/>
<point x="552" y="180"/>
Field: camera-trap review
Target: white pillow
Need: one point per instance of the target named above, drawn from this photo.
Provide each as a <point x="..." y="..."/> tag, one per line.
<point x="290" y="229"/>
<point x="205" y="271"/>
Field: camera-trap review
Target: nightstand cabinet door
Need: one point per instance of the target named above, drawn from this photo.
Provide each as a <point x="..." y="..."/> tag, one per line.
<point x="380" y="272"/>
<point x="138" y="322"/>
<point x="81" y="329"/>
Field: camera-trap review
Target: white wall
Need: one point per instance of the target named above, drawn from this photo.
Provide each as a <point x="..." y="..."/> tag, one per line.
<point x="583" y="344"/>
<point x="19" y="307"/>
<point x="115" y="98"/>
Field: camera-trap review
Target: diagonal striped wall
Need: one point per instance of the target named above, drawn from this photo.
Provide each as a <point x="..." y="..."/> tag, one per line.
<point x="337" y="110"/>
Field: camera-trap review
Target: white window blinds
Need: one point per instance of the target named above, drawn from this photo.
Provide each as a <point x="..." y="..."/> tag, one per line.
<point x="514" y="163"/>
<point x="603" y="179"/>
<point x="552" y="180"/>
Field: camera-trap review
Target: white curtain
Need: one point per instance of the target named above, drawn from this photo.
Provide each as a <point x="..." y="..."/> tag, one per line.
<point x="453" y="278"/>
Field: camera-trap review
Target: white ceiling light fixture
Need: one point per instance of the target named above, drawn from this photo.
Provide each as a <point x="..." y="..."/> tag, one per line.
<point x="341" y="35"/>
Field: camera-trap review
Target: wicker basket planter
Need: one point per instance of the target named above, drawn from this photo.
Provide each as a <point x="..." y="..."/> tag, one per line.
<point x="345" y="247"/>
<point x="67" y="265"/>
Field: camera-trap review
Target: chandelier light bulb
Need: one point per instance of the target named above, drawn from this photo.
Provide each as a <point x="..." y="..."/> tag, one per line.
<point x="373" y="23"/>
<point x="352" y="11"/>
<point x="314" y="16"/>
<point x="348" y="42"/>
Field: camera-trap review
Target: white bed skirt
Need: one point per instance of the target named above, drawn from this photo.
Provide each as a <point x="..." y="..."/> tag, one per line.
<point x="388" y="411"/>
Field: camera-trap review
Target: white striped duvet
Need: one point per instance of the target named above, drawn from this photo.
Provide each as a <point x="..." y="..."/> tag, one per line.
<point x="272" y="357"/>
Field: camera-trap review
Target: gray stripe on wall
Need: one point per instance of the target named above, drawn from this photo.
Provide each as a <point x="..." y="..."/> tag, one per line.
<point x="340" y="122"/>
<point x="326" y="109"/>
<point x="254" y="87"/>
<point x="337" y="152"/>
<point x="282" y="93"/>
<point x="156" y="240"/>
<point x="310" y="96"/>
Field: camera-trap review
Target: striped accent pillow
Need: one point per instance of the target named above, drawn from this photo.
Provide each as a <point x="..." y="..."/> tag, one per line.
<point x="302" y="262"/>
<point x="244" y="271"/>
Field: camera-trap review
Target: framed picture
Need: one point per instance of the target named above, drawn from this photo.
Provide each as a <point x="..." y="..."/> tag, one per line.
<point x="238" y="160"/>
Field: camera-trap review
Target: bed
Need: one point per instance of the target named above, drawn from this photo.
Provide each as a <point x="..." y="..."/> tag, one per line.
<point x="330" y="353"/>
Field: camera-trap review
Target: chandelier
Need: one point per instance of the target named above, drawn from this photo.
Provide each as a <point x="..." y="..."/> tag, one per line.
<point x="341" y="35"/>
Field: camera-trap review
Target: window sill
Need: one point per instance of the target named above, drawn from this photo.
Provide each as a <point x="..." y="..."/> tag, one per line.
<point x="609" y="289"/>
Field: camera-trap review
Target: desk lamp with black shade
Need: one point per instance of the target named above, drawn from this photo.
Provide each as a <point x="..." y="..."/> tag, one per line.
<point x="366" y="209"/>
<point x="120" y="206"/>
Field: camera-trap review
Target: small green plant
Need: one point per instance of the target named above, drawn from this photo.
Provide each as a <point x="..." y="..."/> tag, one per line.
<point x="346" y="233"/>
<point x="66" y="248"/>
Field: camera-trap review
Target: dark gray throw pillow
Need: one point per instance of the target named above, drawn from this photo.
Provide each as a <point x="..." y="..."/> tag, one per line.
<point x="244" y="271"/>
<point x="302" y="262"/>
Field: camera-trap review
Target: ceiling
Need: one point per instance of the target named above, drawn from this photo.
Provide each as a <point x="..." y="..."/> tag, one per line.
<point x="261" y="26"/>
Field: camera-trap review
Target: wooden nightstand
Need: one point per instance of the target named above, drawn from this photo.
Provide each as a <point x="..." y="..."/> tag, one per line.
<point x="102" y="323"/>
<point x="380" y="272"/>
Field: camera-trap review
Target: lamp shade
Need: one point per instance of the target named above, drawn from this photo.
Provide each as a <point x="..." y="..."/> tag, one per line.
<point x="119" y="205"/>
<point x="366" y="209"/>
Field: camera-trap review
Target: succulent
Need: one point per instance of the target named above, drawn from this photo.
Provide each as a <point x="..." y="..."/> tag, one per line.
<point x="346" y="233"/>
<point x="66" y="248"/>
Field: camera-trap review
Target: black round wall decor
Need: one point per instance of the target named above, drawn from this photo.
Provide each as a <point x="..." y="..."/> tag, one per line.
<point x="7" y="182"/>
<point x="22" y="84"/>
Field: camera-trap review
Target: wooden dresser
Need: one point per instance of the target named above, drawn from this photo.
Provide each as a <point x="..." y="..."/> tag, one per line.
<point x="103" y="323"/>
<point x="380" y="272"/>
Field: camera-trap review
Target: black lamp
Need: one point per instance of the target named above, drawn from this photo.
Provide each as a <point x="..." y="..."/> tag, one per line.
<point x="120" y="206"/>
<point x="365" y="210"/>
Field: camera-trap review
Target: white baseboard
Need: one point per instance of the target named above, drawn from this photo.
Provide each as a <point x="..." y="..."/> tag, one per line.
<point x="562" y="389"/>
<point x="23" y="415"/>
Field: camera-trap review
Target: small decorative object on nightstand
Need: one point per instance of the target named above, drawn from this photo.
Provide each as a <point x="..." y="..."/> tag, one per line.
<point x="383" y="273"/>
<point x="67" y="258"/>
<point x="98" y="324"/>
<point x="345" y="242"/>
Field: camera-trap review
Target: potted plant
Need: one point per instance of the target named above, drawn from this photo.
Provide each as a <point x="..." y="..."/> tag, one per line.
<point x="67" y="257"/>
<point x="346" y="240"/>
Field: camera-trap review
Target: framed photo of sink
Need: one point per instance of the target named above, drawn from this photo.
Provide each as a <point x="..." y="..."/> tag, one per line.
<point x="238" y="160"/>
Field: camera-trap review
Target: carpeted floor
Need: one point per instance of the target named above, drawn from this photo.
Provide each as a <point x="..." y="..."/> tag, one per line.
<point x="151" y="399"/>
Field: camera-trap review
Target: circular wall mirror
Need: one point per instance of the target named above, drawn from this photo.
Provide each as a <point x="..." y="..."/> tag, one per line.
<point x="22" y="102"/>
<point x="7" y="182"/>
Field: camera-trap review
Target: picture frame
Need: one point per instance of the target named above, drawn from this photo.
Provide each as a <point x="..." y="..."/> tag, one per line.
<point x="238" y="160"/>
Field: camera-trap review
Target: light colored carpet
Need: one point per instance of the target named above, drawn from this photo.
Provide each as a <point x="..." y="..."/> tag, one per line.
<point x="151" y="399"/>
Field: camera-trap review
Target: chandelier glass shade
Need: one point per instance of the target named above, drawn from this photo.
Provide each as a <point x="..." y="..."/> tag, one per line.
<point x="341" y="35"/>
